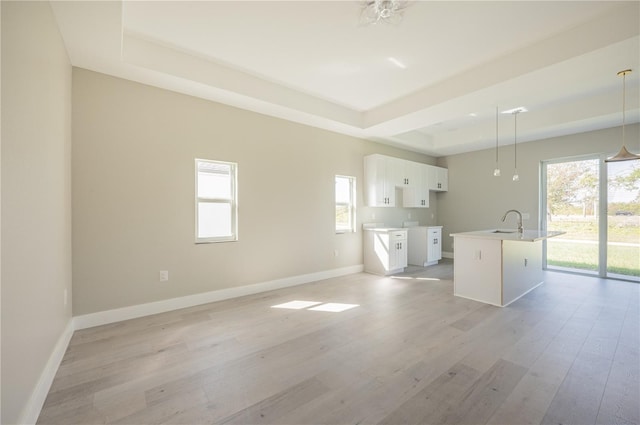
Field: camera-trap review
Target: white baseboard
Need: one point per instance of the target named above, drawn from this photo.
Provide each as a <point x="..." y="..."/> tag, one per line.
<point x="140" y="310"/>
<point x="447" y="254"/>
<point x="36" y="401"/>
<point x="39" y="395"/>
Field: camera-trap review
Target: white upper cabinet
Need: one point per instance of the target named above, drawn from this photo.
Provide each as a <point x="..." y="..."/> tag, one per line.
<point x="416" y="195"/>
<point x="383" y="174"/>
<point x="380" y="180"/>
<point x="438" y="179"/>
<point x="407" y="173"/>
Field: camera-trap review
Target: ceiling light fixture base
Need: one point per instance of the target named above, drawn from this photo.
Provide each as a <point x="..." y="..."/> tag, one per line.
<point x="388" y="11"/>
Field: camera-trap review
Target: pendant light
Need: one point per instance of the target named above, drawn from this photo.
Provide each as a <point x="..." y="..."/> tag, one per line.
<point x="624" y="154"/>
<point x="515" y="177"/>
<point x="496" y="171"/>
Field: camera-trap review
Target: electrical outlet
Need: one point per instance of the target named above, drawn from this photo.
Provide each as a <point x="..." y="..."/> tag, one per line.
<point x="335" y="252"/>
<point x="164" y="275"/>
<point x="526" y="216"/>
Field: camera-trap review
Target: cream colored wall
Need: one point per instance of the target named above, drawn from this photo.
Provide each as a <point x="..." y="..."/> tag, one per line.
<point x="133" y="195"/>
<point x="477" y="200"/>
<point x="36" y="198"/>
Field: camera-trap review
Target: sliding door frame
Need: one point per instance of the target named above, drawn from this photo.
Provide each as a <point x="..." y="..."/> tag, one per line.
<point x="603" y="203"/>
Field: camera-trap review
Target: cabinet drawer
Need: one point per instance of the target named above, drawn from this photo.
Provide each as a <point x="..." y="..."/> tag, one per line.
<point x="397" y="236"/>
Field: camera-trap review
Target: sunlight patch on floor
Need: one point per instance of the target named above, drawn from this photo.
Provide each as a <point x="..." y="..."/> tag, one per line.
<point x="297" y="305"/>
<point x="334" y="307"/>
<point x="413" y="278"/>
<point x="316" y="306"/>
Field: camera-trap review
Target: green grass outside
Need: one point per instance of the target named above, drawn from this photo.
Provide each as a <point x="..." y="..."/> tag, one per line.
<point x="623" y="260"/>
<point x="621" y="229"/>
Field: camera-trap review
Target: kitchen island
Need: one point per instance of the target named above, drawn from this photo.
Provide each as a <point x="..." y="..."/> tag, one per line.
<point x="497" y="266"/>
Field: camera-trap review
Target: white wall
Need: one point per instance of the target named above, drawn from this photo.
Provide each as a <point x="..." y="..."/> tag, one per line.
<point x="36" y="203"/>
<point x="133" y="195"/>
<point x="477" y="200"/>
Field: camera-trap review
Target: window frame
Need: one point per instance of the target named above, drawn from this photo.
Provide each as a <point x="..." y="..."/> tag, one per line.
<point x="351" y="205"/>
<point x="232" y="201"/>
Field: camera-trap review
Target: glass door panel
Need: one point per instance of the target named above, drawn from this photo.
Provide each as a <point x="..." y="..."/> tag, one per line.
<point x="572" y="196"/>
<point x="623" y="217"/>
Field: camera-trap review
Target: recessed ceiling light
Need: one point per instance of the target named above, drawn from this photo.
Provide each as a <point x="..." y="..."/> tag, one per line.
<point x="473" y="115"/>
<point x="397" y="63"/>
<point x="515" y="110"/>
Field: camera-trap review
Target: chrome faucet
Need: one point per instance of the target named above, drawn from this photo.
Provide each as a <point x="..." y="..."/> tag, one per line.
<point x="520" y="228"/>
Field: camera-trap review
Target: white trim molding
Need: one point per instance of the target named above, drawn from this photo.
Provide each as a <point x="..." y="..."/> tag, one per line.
<point x="140" y="310"/>
<point x="447" y="254"/>
<point x="34" y="405"/>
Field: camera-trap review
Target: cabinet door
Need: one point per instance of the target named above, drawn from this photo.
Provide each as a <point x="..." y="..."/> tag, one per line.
<point x="438" y="179"/>
<point x="417" y="195"/>
<point x="405" y="173"/>
<point x="390" y="178"/>
<point x="443" y="179"/>
<point x="423" y="186"/>
<point x="398" y="254"/>
<point x="397" y="250"/>
<point x="434" y="251"/>
<point x="380" y="190"/>
<point x="402" y="254"/>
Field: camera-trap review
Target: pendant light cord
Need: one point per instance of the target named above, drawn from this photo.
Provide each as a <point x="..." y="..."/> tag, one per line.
<point x="496" y="137"/>
<point x="515" y="141"/>
<point x="624" y="85"/>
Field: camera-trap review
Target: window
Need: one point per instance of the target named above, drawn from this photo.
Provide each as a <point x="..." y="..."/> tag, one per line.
<point x="216" y="204"/>
<point x="345" y="204"/>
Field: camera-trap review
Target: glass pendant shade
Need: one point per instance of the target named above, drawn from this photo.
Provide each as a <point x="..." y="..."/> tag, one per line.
<point x="624" y="154"/>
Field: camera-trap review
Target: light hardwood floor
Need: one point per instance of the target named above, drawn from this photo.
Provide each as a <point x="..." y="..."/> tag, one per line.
<point x="410" y="353"/>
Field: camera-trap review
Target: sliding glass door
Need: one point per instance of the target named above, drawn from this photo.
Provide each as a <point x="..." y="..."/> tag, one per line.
<point x="623" y="219"/>
<point x="572" y="194"/>
<point x="597" y="205"/>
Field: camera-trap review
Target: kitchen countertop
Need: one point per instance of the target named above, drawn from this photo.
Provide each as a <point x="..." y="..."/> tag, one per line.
<point x="510" y="234"/>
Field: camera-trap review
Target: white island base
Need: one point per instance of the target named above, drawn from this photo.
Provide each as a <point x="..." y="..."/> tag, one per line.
<point x="496" y="268"/>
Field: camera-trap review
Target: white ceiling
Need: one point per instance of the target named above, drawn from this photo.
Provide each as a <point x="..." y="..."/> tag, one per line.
<point x="313" y="62"/>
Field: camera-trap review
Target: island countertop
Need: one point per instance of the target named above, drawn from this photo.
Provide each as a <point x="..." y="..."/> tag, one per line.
<point x="510" y="235"/>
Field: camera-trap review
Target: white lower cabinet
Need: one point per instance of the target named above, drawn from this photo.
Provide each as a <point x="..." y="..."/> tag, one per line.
<point x="385" y="251"/>
<point x="424" y="245"/>
<point x="434" y="245"/>
<point x="495" y="271"/>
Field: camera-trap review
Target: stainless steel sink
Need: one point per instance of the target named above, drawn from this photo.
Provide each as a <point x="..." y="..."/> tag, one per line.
<point x="503" y="231"/>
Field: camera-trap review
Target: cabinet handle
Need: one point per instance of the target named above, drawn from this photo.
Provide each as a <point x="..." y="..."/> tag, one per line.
<point x="435" y="240"/>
